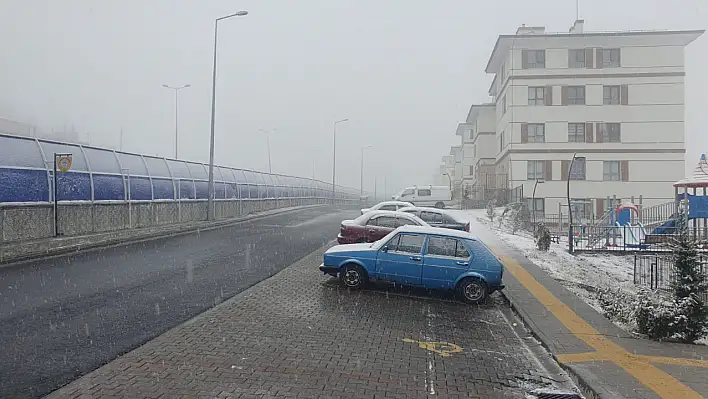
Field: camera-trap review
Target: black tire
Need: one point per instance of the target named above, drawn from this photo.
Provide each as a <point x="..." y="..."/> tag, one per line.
<point x="472" y="290"/>
<point x="440" y="205"/>
<point x="352" y="276"/>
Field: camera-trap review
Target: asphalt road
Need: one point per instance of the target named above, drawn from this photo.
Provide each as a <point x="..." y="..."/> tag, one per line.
<point x="61" y="318"/>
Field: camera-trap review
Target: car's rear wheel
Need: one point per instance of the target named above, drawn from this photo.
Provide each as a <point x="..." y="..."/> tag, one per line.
<point x="440" y="205"/>
<point x="352" y="276"/>
<point x="472" y="290"/>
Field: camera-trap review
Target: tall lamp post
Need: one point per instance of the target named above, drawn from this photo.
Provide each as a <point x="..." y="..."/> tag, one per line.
<point x="210" y="200"/>
<point x="533" y="201"/>
<point x="268" y="132"/>
<point x="334" y="154"/>
<point x="176" y="90"/>
<point x="361" y="182"/>
<point x="449" y="180"/>
<point x="570" y="208"/>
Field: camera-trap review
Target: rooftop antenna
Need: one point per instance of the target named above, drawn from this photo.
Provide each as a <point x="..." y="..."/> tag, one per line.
<point x="577" y="10"/>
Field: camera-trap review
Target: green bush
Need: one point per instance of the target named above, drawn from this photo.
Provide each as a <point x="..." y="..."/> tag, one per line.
<point x="543" y="237"/>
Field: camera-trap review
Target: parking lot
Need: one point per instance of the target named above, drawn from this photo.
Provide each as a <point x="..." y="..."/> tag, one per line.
<point x="298" y="334"/>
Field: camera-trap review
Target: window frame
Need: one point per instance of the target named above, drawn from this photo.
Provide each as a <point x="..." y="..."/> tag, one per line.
<point x="607" y="95"/>
<point x="573" y="173"/>
<point x="425" y="190"/>
<point x="607" y="61"/>
<point x="608" y="135"/>
<point x="608" y="175"/>
<point x="531" y="205"/>
<point x="399" y="236"/>
<point x="535" y="127"/>
<point x="536" y="64"/>
<point x="536" y="174"/>
<point x="574" y="100"/>
<point x="576" y="133"/>
<point x="458" y="243"/>
<point x="535" y="99"/>
<point x="574" y="62"/>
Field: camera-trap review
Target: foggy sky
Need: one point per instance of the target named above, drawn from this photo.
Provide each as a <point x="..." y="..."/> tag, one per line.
<point x="403" y="72"/>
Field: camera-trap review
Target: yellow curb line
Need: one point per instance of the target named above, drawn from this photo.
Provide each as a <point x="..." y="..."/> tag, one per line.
<point x="640" y="367"/>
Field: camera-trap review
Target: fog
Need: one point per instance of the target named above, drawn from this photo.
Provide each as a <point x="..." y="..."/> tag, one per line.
<point x="403" y="72"/>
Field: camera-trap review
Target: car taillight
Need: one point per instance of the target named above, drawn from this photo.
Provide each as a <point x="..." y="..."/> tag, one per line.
<point x="467" y="227"/>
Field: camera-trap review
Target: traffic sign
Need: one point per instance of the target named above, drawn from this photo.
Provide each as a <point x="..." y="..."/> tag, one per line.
<point x="63" y="162"/>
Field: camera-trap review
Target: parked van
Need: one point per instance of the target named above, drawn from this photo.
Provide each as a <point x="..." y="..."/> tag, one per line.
<point x="437" y="196"/>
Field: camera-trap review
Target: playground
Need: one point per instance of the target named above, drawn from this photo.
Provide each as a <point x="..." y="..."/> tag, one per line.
<point x="628" y="227"/>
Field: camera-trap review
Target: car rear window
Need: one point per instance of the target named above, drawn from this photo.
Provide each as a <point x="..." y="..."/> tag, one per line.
<point x="388" y="208"/>
<point x="446" y="246"/>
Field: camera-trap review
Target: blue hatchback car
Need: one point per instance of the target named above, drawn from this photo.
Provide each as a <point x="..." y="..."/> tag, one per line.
<point x="420" y="256"/>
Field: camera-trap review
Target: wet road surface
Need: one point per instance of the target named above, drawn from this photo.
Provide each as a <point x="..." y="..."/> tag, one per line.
<point x="61" y="318"/>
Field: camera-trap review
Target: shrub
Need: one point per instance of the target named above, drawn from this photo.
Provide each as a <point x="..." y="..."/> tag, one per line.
<point x="521" y="218"/>
<point x="543" y="237"/>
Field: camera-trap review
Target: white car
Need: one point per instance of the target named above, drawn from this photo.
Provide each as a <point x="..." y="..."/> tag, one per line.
<point x="437" y="196"/>
<point x="387" y="206"/>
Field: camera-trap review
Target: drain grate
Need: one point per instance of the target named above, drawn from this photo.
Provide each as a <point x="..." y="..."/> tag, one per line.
<point x="539" y="394"/>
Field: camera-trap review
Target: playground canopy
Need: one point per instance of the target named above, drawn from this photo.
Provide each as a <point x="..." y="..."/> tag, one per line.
<point x="699" y="177"/>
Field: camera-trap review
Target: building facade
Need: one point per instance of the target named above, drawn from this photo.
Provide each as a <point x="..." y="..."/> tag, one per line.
<point x="614" y="100"/>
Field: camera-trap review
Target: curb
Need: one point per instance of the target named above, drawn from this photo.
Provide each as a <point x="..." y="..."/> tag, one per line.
<point x="589" y="386"/>
<point x="73" y="249"/>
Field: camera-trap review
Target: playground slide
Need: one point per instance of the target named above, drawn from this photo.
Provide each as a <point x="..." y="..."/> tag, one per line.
<point x="635" y="234"/>
<point x="668" y="227"/>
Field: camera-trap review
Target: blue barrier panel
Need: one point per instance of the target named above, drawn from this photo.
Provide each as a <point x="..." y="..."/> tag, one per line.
<point x="107" y="187"/>
<point x="202" y="188"/>
<point x="73" y="186"/>
<point x="23" y="185"/>
<point x="163" y="189"/>
<point x="140" y="189"/>
<point x="186" y="189"/>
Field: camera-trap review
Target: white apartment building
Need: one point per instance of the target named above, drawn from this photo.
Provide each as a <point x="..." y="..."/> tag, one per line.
<point x="616" y="99"/>
<point x="477" y="137"/>
<point x="456" y="154"/>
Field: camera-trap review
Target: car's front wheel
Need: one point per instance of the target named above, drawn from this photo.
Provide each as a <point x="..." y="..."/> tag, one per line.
<point x="352" y="276"/>
<point x="472" y="290"/>
<point x="440" y="205"/>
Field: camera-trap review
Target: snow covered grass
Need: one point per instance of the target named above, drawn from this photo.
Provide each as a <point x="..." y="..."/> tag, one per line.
<point x="589" y="276"/>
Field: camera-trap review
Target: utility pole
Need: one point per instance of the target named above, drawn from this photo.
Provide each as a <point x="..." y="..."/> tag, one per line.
<point x="120" y="143"/>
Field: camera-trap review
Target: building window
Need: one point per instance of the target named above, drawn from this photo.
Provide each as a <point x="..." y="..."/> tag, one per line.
<point x="537" y="95"/>
<point x="503" y="104"/>
<point x="576" y="58"/>
<point x="576" y="132"/>
<point x="577" y="170"/>
<point x="537" y="133"/>
<point x="502" y="74"/>
<point x="611" y="95"/>
<point x="471" y="170"/>
<point x="534" y="170"/>
<point x="611" y="171"/>
<point x="532" y="59"/>
<point x="611" y="58"/>
<point x="576" y="95"/>
<point x="579" y="207"/>
<point x="501" y="142"/>
<point x="611" y="133"/>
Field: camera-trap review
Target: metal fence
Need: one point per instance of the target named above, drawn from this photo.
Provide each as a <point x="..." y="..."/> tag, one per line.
<point x="657" y="272"/>
<point x="629" y="238"/>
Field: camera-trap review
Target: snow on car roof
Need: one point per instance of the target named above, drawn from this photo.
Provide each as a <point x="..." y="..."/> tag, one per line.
<point x="376" y="212"/>
<point x="436" y="231"/>
<point x="393" y="203"/>
<point x="435" y="210"/>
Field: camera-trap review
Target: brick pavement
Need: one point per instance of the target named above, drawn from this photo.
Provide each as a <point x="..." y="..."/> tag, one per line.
<point x="299" y="335"/>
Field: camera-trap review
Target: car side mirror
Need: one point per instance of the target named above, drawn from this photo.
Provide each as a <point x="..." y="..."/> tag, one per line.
<point x="384" y="248"/>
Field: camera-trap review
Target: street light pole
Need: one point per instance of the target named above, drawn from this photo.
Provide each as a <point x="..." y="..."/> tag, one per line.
<point x="334" y="155"/>
<point x="176" y="90"/>
<point x="210" y="200"/>
<point x="570" y="209"/>
<point x="267" y="132"/>
<point x="533" y="202"/>
<point x="361" y="183"/>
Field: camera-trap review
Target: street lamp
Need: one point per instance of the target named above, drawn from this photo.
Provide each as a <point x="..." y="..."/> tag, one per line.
<point x="334" y="155"/>
<point x="176" y="89"/>
<point x="449" y="179"/>
<point x="268" y="132"/>
<point x="533" y="201"/>
<point x="210" y="200"/>
<point x="570" y="209"/>
<point x="361" y="184"/>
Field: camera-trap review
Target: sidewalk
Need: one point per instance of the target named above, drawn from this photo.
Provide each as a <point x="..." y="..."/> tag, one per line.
<point x="601" y="356"/>
<point x="14" y="252"/>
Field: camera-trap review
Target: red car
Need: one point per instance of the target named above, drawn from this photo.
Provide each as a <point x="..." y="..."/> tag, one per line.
<point x="375" y="225"/>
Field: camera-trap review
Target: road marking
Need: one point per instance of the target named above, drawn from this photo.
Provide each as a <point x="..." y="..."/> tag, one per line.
<point x="592" y="356"/>
<point x="443" y="349"/>
<point x="641" y="368"/>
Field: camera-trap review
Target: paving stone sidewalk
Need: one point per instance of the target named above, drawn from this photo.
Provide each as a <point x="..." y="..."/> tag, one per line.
<point x="298" y="334"/>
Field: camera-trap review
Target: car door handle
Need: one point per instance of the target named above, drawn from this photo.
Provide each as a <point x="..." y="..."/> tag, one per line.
<point x="416" y="258"/>
<point x="463" y="263"/>
<point x="372" y="231"/>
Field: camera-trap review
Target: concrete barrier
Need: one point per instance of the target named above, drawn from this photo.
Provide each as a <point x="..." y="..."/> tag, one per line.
<point x="22" y="222"/>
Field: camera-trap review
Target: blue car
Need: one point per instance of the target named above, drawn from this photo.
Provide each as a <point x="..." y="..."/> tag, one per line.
<point x="420" y="256"/>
